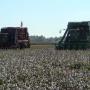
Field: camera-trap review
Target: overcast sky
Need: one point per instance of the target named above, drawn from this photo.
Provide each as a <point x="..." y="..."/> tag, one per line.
<point x="43" y="17"/>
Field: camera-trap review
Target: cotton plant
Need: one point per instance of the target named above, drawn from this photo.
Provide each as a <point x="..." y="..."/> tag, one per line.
<point x="44" y="69"/>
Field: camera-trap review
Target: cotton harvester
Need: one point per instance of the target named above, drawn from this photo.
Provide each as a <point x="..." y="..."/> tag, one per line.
<point x="14" y="37"/>
<point x="76" y="36"/>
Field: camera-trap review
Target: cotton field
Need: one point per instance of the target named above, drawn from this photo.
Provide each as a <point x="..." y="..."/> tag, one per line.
<point x="44" y="69"/>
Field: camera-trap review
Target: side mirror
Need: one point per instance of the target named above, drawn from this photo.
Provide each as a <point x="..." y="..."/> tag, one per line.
<point x="60" y="31"/>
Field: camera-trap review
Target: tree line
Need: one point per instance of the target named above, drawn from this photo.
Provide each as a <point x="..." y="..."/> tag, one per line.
<point x="43" y="40"/>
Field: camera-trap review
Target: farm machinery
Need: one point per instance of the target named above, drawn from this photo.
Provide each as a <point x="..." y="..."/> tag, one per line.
<point x="76" y="36"/>
<point x="14" y="37"/>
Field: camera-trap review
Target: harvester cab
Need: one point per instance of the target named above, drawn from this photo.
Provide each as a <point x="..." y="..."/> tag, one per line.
<point x="76" y="36"/>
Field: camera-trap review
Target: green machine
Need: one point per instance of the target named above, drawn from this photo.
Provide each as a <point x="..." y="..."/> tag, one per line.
<point x="76" y="36"/>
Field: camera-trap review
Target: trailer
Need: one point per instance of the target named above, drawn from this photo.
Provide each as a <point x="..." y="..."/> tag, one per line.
<point x="76" y="36"/>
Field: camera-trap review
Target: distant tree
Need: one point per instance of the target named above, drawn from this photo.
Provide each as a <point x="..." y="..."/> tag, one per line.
<point x="42" y="40"/>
